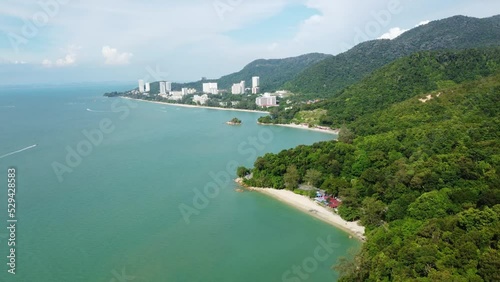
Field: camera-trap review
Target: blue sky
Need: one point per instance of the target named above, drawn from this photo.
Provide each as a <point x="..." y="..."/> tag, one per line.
<point x="281" y="26"/>
<point x="59" y="41"/>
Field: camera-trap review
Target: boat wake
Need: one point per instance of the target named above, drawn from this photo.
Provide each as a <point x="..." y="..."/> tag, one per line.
<point x="93" y="111"/>
<point x="18" y="151"/>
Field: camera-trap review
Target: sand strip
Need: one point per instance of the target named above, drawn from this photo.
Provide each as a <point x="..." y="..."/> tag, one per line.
<point x="299" y="126"/>
<point x="194" y="106"/>
<point x="312" y="208"/>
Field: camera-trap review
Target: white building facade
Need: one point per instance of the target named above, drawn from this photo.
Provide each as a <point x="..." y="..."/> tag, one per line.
<point x="266" y="101"/>
<point x="163" y="88"/>
<point x="255" y="85"/>
<point x="211" y="88"/>
<point x="176" y="95"/>
<point x="238" y="88"/>
<point x="141" y="85"/>
<point x="202" y="100"/>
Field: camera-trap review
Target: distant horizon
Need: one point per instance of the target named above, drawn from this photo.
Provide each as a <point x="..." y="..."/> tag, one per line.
<point x="61" y="49"/>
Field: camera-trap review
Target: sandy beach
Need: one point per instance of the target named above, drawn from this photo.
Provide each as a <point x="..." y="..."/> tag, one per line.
<point x="296" y="126"/>
<point x="199" y="107"/>
<point x="310" y="207"/>
<point x="299" y="126"/>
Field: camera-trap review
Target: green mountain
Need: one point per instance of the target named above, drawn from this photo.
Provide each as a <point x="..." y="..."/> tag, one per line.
<point x="330" y="76"/>
<point x="402" y="79"/>
<point x="419" y="73"/>
<point x="421" y="172"/>
<point x="273" y="73"/>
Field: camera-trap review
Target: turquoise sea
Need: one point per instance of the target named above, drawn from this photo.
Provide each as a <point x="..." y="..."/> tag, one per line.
<point x="133" y="191"/>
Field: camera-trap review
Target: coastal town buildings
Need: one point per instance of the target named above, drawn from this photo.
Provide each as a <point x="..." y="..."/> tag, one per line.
<point x="210" y="88"/>
<point x="163" y="88"/>
<point x="255" y="85"/>
<point x="141" y="86"/>
<point x="238" y="88"/>
<point x="188" y="91"/>
<point x="175" y="95"/>
<point x="202" y="100"/>
<point x="282" y="93"/>
<point x="266" y="100"/>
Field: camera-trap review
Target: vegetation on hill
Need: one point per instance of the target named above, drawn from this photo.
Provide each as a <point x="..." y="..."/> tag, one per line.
<point x="330" y="76"/>
<point x="273" y="73"/>
<point x="421" y="172"/>
<point x="406" y="77"/>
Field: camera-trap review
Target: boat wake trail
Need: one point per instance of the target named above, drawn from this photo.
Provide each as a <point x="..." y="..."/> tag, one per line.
<point x="18" y="151"/>
<point x="89" y="110"/>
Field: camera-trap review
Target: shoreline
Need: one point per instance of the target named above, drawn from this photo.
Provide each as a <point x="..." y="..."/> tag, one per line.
<point x="295" y="126"/>
<point x="298" y="126"/>
<point x="194" y="106"/>
<point x="310" y="207"/>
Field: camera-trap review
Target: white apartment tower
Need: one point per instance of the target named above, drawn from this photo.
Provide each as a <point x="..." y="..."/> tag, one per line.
<point x="141" y="85"/>
<point x="211" y="88"/>
<point x="236" y="89"/>
<point x="266" y="101"/>
<point x="242" y="83"/>
<point x="168" y="86"/>
<point x="255" y="81"/>
<point x="255" y="85"/>
<point x="163" y="88"/>
<point x="148" y="87"/>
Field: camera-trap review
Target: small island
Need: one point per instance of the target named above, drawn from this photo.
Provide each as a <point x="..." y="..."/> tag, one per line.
<point x="234" y="121"/>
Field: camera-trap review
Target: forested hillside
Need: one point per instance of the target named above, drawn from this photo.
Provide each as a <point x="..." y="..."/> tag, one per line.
<point x="406" y="77"/>
<point x="273" y="73"/>
<point x="328" y="77"/>
<point x="422" y="174"/>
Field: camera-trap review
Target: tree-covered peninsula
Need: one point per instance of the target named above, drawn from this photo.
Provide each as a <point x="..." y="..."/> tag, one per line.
<point x="417" y="162"/>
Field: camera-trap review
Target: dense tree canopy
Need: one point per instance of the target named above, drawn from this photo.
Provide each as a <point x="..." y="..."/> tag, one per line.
<point x="419" y="73"/>
<point x="421" y="172"/>
<point x="329" y="77"/>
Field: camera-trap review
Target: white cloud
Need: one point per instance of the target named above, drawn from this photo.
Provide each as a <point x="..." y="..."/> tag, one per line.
<point x="157" y="32"/>
<point x="68" y="60"/>
<point x="333" y="28"/>
<point x="393" y="33"/>
<point x="47" y="63"/>
<point x="113" y="57"/>
<point x="397" y="31"/>
<point x="10" y="62"/>
<point x="423" y="23"/>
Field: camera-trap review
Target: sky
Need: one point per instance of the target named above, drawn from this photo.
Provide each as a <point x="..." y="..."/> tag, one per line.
<point x="66" y="41"/>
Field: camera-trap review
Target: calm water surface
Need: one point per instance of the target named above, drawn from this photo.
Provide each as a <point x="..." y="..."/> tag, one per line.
<point x="100" y="196"/>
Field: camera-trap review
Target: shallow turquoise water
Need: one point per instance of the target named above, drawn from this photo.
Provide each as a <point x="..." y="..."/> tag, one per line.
<point x="118" y="212"/>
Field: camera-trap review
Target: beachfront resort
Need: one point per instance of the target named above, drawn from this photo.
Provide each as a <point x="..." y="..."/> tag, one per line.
<point x="208" y="91"/>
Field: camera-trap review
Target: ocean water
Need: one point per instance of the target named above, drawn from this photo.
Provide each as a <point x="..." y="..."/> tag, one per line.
<point x="119" y="190"/>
